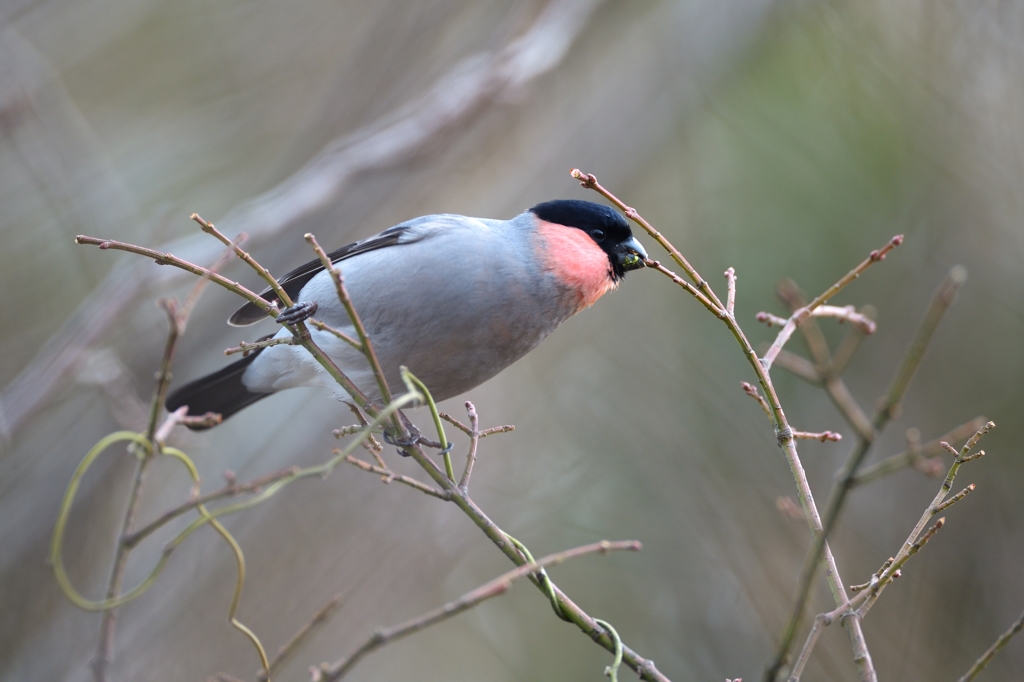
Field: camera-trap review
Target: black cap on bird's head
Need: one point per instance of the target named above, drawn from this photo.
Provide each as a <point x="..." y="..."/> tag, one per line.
<point x="605" y="225"/>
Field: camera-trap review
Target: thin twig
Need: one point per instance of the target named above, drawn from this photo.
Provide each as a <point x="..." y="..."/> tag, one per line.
<point x="319" y="618"/>
<point x="493" y="588"/>
<point x="590" y="182"/>
<point x="244" y="347"/>
<point x="324" y="327"/>
<point x="232" y="489"/>
<point x="783" y="431"/>
<point x="847" y="314"/>
<point x="387" y="475"/>
<point x="357" y="323"/>
<point x="505" y="428"/>
<point x="850" y="344"/>
<point x="730" y="298"/>
<point x="805" y="653"/>
<point x="824" y="436"/>
<point x="800" y="366"/>
<point x="690" y="289"/>
<point x="209" y="229"/>
<point x="752" y="391"/>
<point x="941" y="301"/>
<point x="371" y="444"/>
<point x="928" y="451"/>
<point x="108" y="623"/>
<point x="300" y="329"/>
<point x="799" y="316"/>
<point x="170" y="259"/>
<point x="474" y="440"/>
<point x="825" y="365"/>
<point x="867" y="598"/>
<point x="1000" y="642"/>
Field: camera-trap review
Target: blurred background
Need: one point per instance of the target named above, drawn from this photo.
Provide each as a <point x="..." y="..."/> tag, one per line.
<point x="779" y="138"/>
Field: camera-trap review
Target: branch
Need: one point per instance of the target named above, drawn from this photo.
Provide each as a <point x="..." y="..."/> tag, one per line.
<point x="230" y="490"/>
<point x="387" y="475"/>
<point x="1000" y="642"/>
<point x="783" y="431"/>
<point x="493" y="588"/>
<point x="244" y="347"/>
<point x="944" y="297"/>
<point x="927" y="451"/>
<point x="319" y="618"/>
<point x="590" y="182"/>
<point x="916" y="540"/>
<point x="176" y="322"/>
<point x="353" y="316"/>
<point x="800" y="315"/>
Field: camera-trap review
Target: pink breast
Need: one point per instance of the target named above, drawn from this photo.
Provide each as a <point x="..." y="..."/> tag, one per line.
<point x="576" y="261"/>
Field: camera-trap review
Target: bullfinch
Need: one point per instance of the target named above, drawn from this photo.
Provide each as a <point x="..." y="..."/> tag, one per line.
<point x="455" y="299"/>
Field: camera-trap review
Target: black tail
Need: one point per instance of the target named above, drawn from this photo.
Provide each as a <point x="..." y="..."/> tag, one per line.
<point x="222" y="392"/>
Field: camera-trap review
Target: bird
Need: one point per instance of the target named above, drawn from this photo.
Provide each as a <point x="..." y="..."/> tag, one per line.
<point x="453" y="298"/>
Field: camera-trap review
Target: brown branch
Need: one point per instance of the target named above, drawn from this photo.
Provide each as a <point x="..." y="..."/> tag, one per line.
<point x="915" y="540"/>
<point x="1000" y="642"/>
<point x="943" y="298"/>
<point x="493" y="588"/>
<point x="799" y="316"/>
<point x="799" y="366"/>
<point x="244" y="347"/>
<point x="357" y="323"/>
<point x="730" y="299"/>
<point x="752" y="391"/>
<point x="163" y="258"/>
<point x="324" y="327"/>
<point x="849" y="345"/>
<point x="590" y="182"/>
<point x="319" y="618"/>
<point x="264" y="274"/>
<point x="474" y="440"/>
<point x="824" y="436"/>
<point x="783" y="431"/>
<point x="387" y="475"/>
<point x="690" y="289"/>
<point x="232" y="489"/>
<point x="847" y="314"/>
<point x="108" y="622"/>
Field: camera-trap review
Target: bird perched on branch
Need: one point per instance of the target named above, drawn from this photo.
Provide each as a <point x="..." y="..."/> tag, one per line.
<point x="453" y="298"/>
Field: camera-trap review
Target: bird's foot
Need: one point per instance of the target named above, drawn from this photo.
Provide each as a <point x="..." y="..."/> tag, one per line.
<point x="300" y="312"/>
<point x="411" y="437"/>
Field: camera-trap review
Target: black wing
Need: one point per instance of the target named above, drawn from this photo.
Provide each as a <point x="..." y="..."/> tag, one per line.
<point x="293" y="282"/>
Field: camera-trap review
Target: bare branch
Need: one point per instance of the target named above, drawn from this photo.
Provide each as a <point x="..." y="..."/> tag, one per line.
<point x="752" y="391"/>
<point x="493" y="588"/>
<point x="387" y="475"/>
<point x="824" y="436"/>
<point x="799" y="316"/>
<point x="1000" y="642"/>
<point x="319" y="618"/>
<point x="244" y="347"/>
<point x="927" y="451"/>
<point x="730" y="299"/>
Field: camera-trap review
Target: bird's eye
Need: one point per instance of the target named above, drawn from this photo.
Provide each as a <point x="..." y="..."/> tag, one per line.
<point x="598" y="235"/>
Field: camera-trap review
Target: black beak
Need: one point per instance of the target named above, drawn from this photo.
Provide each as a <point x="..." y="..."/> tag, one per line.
<point x="630" y="254"/>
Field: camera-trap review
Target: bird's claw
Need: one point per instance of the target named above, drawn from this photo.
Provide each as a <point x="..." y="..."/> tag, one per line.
<point x="414" y="438"/>
<point x="300" y="312"/>
<point x="403" y="441"/>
